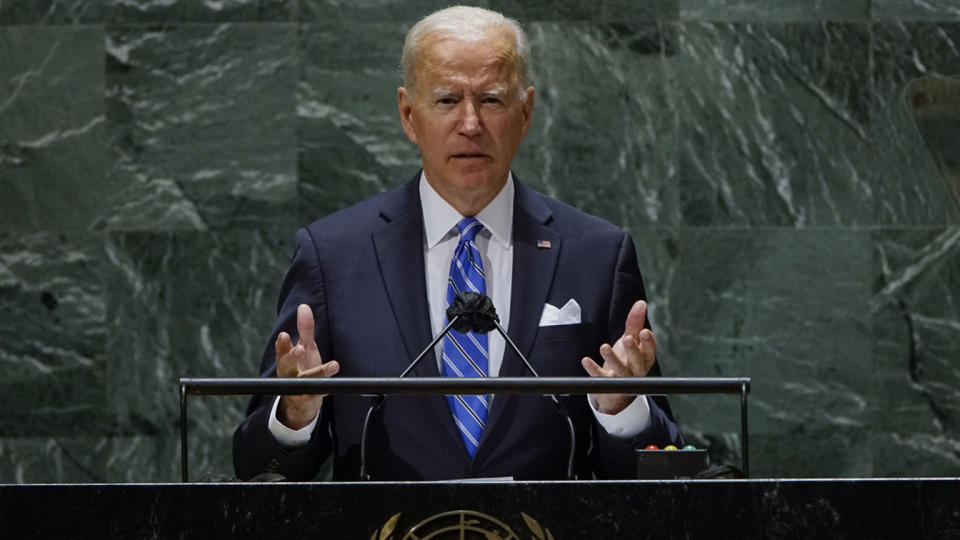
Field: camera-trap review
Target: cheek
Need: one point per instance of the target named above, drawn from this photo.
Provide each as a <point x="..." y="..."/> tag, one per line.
<point x="422" y="132"/>
<point x="434" y="130"/>
<point x="511" y="135"/>
<point x="508" y="128"/>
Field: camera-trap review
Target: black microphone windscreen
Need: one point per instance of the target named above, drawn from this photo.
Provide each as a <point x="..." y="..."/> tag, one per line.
<point x="476" y="312"/>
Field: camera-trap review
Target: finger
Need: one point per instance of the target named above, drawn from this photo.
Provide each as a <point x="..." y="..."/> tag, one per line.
<point x="283" y="344"/>
<point x="647" y="352"/>
<point x="629" y="354"/>
<point x="639" y="353"/>
<point x="307" y="358"/>
<point x="297" y="360"/>
<point x="305" y="326"/>
<point x="329" y="369"/>
<point x="612" y="363"/>
<point x="286" y="360"/>
<point x="591" y="367"/>
<point x="648" y="343"/>
<point x="636" y="318"/>
<point x="333" y="367"/>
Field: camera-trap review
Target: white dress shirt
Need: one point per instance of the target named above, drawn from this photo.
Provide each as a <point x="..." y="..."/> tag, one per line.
<point x="495" y="244"/>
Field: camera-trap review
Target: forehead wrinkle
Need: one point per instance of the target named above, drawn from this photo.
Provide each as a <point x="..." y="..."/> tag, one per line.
<point x="492" y="73"/>
<point x="497" y="41"/>
<point x="443" y="68"/>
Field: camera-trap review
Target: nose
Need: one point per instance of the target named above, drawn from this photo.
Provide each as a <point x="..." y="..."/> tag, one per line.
<point x="470" y="124"/>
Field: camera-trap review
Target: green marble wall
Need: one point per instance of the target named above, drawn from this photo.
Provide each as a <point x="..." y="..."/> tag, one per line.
<point x="156" y="158"/>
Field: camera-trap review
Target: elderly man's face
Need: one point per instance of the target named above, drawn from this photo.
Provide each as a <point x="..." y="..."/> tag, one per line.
<point x="467" y="115"/>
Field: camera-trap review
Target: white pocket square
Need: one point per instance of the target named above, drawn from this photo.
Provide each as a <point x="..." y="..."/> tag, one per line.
<point x="568" y="314"/>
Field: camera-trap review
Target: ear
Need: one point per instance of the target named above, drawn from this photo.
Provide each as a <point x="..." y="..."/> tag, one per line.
<point x="405" y="106"/>
<point x="527" y="111"/>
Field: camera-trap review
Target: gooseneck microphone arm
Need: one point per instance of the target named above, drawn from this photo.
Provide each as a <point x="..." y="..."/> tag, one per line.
<point x="469" y="312"/>
<point x="375" y="404"/>
<point x="446" y="330"/>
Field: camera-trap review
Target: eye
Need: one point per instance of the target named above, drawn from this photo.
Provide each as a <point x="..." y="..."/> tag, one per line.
<point x="447" y="100"/>
<point x="492" y="100"/>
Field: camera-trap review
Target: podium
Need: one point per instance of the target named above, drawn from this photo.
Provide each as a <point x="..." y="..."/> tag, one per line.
<point x="735" y="509"/>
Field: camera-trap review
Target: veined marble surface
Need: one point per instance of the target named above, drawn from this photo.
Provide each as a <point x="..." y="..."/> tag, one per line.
<point x="156" y="158"/>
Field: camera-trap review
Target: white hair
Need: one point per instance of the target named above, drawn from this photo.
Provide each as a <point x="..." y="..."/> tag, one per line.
<point x="465" y="22"/>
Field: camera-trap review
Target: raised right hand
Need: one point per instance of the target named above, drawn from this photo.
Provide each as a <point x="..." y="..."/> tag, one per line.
<point x="302" y="360"/>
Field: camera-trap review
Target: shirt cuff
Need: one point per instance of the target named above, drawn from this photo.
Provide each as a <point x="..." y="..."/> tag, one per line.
<point x="626" y="423"/>
<point x="290" y="438"/>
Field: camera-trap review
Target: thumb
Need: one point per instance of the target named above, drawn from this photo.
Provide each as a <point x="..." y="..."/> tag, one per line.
<point x="636" y="318"/>
<point x="305" y="326"/>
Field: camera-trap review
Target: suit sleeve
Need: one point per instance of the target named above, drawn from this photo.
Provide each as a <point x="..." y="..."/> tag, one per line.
<point x="255" y="450"/>
<point x="614" y="457"/>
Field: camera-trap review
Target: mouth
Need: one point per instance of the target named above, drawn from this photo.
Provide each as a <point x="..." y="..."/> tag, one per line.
<point x="468" y="155"/>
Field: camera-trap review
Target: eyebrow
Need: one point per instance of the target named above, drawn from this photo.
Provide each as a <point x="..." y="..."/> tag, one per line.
<point x="499" y="90"/>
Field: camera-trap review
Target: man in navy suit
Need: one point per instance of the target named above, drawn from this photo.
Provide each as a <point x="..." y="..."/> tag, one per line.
<point x="367" y="287"/>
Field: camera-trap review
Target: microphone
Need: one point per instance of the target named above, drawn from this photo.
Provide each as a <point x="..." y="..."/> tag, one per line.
<point x="469" y="312"/>
<point x="472" y="312"/>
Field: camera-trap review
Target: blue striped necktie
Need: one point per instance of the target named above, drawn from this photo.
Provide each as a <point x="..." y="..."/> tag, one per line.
<point x="465" y="355"/>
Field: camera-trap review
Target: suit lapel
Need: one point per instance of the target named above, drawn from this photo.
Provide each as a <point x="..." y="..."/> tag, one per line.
<point x="533" y="270"/>
<point x="399" y="248"/>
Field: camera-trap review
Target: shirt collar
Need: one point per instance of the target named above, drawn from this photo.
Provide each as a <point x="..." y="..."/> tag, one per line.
<point x="439" y="218"/>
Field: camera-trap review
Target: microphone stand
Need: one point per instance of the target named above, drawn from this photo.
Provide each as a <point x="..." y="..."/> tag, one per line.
<point x="479" y="315"/>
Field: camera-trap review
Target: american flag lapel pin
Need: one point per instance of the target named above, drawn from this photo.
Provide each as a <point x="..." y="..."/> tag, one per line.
<point x="543" y="244"/>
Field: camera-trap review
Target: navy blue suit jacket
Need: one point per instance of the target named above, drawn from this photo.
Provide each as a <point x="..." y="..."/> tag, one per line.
<point x="362" y="272"/>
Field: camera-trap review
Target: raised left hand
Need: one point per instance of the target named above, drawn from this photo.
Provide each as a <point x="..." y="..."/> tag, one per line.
<point x="631" y="356"/>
